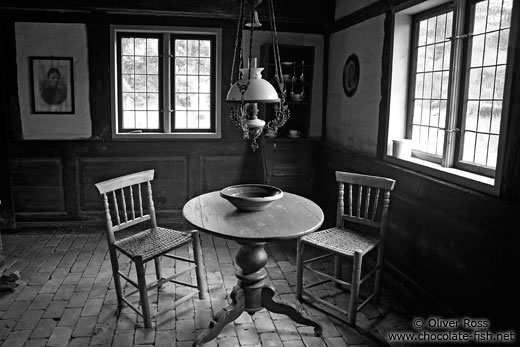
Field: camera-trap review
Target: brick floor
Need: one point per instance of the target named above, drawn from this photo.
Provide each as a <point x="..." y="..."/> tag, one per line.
<point x="65" y="297"/>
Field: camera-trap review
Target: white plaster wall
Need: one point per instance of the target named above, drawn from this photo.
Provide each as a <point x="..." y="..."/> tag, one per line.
<point x="352" y="122"/>
<point x="345" y="7"/>
<point x="285" y="38"/>
<point x="59" y="40"/>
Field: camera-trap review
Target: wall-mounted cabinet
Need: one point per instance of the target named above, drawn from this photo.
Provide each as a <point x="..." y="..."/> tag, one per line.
<point x="297" y="71"/>
<point x="286" y="158"/>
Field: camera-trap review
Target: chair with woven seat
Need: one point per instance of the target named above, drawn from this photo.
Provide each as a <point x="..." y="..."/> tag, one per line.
<point x="128" y="202"/>
<point x="360" y="230"/>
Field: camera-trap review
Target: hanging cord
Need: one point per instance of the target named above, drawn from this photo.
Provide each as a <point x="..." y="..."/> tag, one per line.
<point x="281" y="111"/>
<point x="238" y="43"/>
<point x="276" y="51"/>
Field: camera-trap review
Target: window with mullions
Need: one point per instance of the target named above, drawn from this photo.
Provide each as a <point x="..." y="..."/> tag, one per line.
<point x="173" y="97"/>
<point x="140" y="83"/>
<point x="193" y="84"/>
<point x="457" y="87"/>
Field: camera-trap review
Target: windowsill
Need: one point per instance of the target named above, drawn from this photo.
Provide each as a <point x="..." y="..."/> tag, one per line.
<point x="467" y="179"/>
<point x="166" y="136"/>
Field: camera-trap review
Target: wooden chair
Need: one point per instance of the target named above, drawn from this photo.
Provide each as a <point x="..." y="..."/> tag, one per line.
<point x="125" y="201"/>
<point x="359" y="230"/>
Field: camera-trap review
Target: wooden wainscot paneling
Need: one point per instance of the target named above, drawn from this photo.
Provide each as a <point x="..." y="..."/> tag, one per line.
<point x="38" y="185"/>
<point x="220" y="171"/>
<point x="169" y="187"/>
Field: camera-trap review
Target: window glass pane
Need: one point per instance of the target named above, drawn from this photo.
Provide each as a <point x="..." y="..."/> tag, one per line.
<point x="205" y="102"/>
<point x="471" y="115"/>
<point x="193" y="120"/>
<point x="128" y="119"/>
<point x="505" y="21"/>
<point x="127" y="46"/>
<point x="181" y="66"/>
<point x="140" y="46"/>
<point x="140" y="79"/>
<point x="486" y="85"/>
<point x="128" y="65"/>
<point x="477" y="50"/>
<point x="481" y="149"/>
<point x="152" y="101"/>
<point x="140" y="101"/>
<point x="140" y="83"/>
<point x="181" y="120"/>
<point x="496" y="117"/>
<point x="181" y="85"/>
<point x="204" y="66"/>
<point x="469" y="146"/>
<point x="128" y="83"/>
<point x="484" y="117"/>
<point x="152" y="65"/>
<point x="181" y="101"/>
<point x="491" y="42"/>
<point x="128" y="101"/>
<point x="205" y="84"/>
<point x="421" y="54"/>
<point x="499" y="82"/>
<point x="152" y="47"/>
<point x="417" y="111"/>
<point x="152" y="83"/>
<point x="204" y="119"/>
<point x="140" y="65"/>
<point x="193" y="76"/>
<point x="502" y="46"/>
<point x="431" y="83"/>
<point x="492" y="151"/>
<point x="193" y="66"/>
<point x="141" y="118"/>
<point x="205" y="48"/>
<point x="474" y="83"/>
<point x="193" y="48"/>
<point x="193" y="101"/>
<point x="494" y="15"/>
<point x="153" y="119"/>
<point x="193" y="84"/>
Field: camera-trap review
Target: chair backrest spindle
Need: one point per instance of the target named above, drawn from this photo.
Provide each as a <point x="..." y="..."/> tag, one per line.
<point x="132" y="207"/>
<point x="123" y="202"/>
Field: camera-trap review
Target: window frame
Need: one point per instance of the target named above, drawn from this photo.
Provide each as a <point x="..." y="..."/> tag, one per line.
<point x="438" y="10"/>
<point x="213" y="88"/>
<point x="397" y="110"/>
<point x="166" y="95"/>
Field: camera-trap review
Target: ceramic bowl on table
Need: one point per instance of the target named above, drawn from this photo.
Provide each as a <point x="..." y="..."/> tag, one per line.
<point x="251" y="197"/>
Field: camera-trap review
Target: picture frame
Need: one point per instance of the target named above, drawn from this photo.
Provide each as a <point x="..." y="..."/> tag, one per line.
<point x="52" y="85"/>
<point x="351" y="75"/>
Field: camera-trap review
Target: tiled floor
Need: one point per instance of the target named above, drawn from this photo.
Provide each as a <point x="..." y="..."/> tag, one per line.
<point x="65" y="297"/>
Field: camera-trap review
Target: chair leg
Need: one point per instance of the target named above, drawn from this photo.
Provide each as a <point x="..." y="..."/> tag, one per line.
<point x="337" y="269"/>
<point x="379" y="273"/>
<point x="158" y="271"/>
<point x="354" y="289"/>
<point x="143" y="293"/>
<point x="299" y="268"/>
<point x="199" y="261"/>
<point x="115" y="274"/>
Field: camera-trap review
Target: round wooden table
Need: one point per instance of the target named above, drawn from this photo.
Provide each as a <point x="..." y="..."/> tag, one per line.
<point x="290" y="217"/>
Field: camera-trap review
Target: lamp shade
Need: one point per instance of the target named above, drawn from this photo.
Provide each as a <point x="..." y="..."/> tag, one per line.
<point x="258" y="90"/>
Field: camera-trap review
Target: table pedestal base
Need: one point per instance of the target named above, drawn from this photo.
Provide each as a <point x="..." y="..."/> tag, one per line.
<point x="251" y="294"/>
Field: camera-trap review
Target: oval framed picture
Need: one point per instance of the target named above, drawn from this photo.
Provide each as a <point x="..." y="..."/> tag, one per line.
<point x="351" y="75"/>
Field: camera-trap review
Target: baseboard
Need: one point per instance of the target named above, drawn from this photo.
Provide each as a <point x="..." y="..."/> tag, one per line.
<point x="405" y="287"/>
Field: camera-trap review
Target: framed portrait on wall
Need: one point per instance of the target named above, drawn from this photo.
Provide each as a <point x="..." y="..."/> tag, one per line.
<point x="52" y="85"/>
